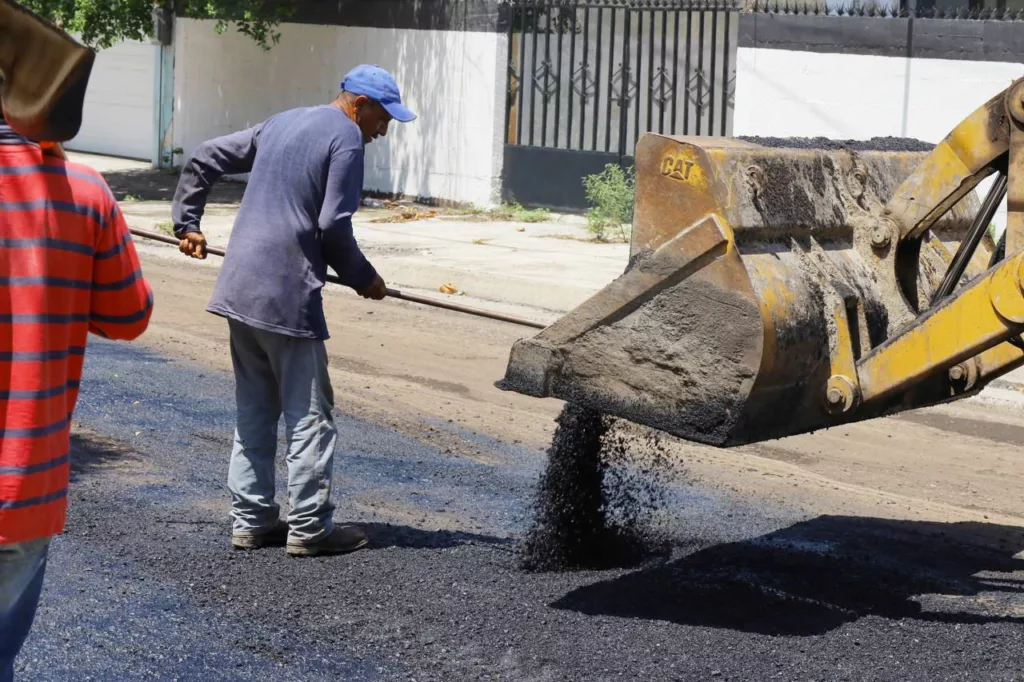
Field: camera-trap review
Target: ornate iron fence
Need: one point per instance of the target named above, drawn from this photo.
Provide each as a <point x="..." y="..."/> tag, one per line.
<point x="594" y="75"/>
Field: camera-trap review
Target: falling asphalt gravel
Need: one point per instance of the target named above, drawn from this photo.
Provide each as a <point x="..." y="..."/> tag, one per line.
<point x="597" y="501"/>
<point x="143" y="584"/>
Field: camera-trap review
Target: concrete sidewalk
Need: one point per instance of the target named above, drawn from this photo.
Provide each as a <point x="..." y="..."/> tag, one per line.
<point x="536" y="270"/>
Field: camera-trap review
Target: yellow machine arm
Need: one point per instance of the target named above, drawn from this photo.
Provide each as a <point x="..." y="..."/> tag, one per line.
<point x="775" y="289"/>
<point x="965" y="332"/>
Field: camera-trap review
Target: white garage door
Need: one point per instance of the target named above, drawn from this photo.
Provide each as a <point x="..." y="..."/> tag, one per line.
<point x="118" y="116"/>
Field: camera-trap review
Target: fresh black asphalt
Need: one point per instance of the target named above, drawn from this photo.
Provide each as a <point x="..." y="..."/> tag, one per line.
<point x="144" y="586"/>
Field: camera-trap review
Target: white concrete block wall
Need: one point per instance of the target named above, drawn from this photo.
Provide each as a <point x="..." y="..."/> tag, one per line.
<point x="956" y="88"/>
<point x="117" y="118"/>
<point x="782" y="92"/>
<point x="453" y="80"/>
<point x="786" y="93"/>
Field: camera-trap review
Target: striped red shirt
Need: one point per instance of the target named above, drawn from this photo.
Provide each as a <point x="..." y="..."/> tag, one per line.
<point x="67" y="267"/>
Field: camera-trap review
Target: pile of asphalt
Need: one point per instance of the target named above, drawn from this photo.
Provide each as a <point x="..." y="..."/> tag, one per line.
<point x="875" y="144"/>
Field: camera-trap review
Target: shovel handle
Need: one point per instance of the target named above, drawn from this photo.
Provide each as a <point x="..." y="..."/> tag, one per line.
<point x="392" y="293"/>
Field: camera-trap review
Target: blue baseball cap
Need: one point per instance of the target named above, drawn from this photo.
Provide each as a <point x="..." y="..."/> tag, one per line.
<point x="374" y="82"/>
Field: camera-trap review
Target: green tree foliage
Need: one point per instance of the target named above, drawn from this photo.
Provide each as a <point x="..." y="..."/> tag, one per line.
<point x="101" y="23"/>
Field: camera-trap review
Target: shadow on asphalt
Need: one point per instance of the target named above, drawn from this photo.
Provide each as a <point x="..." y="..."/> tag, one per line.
<point x="815" y="576"/>
<point x="90" y="452"/>
<point x="384" y="535"/>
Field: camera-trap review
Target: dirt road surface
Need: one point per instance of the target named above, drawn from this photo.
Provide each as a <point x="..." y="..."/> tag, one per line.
<point x="880" y="551"/>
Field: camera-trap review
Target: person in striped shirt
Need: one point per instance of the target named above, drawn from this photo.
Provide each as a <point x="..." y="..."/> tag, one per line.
<point x="68" y="267"/>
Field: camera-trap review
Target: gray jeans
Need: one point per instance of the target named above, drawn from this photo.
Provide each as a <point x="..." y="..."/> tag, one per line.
<point x="277" y="374"/>
<point x="22" y="567"/>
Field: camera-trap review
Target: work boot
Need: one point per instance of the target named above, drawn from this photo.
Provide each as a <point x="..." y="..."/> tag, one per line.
<point x="339" y="541"/>
<point x="275" y="537"/>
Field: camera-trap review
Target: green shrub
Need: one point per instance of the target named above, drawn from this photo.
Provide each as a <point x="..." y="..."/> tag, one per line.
<point x="611" y="194"/>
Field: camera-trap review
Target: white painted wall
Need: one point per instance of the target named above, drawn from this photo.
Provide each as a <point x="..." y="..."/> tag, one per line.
<point x="453" y="80"/>
<point x="117" y="118"/>
<point x="784" y="93"/>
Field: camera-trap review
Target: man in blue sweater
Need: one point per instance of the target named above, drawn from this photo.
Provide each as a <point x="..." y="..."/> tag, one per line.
<point x="305" y="180"/>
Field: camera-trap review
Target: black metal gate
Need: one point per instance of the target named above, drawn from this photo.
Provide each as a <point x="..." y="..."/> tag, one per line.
<point x="587" y="78"/>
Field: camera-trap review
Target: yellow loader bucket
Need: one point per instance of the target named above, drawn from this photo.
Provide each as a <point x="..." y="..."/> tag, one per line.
<point x="757" y="271"/>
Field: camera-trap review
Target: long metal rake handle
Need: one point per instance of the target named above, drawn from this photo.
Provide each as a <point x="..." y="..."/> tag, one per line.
<point x="393" y="293"/>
